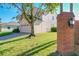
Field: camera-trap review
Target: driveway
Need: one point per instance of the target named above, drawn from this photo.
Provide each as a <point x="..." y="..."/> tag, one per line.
<point x="12" y="36"/>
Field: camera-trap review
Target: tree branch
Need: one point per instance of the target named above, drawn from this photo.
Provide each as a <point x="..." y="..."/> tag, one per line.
<point x="24" y="13"/>
<point x="35" y="17"/>
<point x="16" y="6"/>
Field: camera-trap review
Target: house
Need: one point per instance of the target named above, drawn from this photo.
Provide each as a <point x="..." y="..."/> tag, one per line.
<point x="54" y="19"/>
<point x="43" y="25"/>
<point x="6" y="27"/>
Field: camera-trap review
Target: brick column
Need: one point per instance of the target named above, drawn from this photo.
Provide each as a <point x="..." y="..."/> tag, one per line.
<point x="77" y="37"/>
<point x="65" y="34"/>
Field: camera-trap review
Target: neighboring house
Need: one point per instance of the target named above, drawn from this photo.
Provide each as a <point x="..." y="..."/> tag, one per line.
<point x="54" y="20"/>
<point x="5" y="27"/>
<point x="43" y="25"/>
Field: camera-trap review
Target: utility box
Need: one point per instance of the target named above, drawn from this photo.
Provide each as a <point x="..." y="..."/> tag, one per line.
<point x="65" y="33"/>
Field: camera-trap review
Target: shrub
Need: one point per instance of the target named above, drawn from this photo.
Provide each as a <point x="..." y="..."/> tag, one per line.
<point x="16" y="30"/>
<point x="53" y="29"/>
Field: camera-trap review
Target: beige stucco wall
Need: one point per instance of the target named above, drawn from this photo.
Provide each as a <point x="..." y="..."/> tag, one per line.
<point x="6" y="29"/>
<point x="24" y="26"/>
<point x="25" y="29"/>
<point x="43" y="25"/>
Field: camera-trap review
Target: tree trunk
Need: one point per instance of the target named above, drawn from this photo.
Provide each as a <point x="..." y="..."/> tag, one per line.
<point x="71" y="7"/>
<point x="32" y="23"/>
<point x="61" y="7"/>
<point x="32" y="28"/>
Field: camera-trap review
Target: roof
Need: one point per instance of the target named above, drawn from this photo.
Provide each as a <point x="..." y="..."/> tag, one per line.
<point x="9" y="24"/>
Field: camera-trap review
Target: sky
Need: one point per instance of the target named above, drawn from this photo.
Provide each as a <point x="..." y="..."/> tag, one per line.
<point x="7" y="14"/>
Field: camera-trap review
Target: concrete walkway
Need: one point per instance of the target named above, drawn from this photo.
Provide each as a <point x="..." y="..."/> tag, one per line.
<point x="12" y="36"/>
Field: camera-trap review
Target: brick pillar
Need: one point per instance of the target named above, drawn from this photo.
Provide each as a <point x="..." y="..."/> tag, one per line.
<point x="77" y="37"/>
<point x="65" y="34"/>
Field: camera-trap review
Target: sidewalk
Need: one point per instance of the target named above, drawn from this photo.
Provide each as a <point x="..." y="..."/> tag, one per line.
<point x="12" y="36"/>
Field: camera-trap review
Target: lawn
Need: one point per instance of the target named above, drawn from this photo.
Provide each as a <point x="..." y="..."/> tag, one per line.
<point x="5" y="33"/>
<point x="44" y="44"/>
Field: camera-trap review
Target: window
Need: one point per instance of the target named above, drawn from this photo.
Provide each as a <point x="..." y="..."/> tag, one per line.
<point x="8" y="27"/>
<point x="52" y="17"/>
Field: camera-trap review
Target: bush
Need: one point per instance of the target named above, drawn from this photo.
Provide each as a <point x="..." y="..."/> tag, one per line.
<point x="16" y="30"/>
<point x="53" y="29"/>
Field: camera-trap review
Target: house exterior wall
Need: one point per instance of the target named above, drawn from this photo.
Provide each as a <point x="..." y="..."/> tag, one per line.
<point x="6" y="29"/>
<point x="24" y="26"/>
<point x="43" y="25"/>
<point x="25" y="29"/>
<point x="54" y="23"/>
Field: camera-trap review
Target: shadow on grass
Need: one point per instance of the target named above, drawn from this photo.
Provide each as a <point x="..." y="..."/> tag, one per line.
<point x="57" y="54"/>
<point x="38" y="48"/>
<point x="11" y="41"/>
<point x="54" y="54"/>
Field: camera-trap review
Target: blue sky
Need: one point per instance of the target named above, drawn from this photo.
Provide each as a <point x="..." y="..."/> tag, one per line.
<point x="7" y="14"/>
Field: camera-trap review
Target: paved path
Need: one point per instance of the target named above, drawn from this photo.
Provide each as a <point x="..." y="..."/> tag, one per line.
<point x="12" y="36"/>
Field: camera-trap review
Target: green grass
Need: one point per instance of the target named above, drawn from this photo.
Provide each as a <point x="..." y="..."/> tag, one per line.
<point x="44" y="44"/>
<point x="5" y="33"/>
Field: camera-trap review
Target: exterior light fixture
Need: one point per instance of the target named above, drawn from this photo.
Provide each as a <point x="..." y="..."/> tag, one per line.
<point x="71" y="22"/>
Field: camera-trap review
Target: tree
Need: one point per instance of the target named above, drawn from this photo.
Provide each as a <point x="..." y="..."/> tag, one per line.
<point x="27" y="11"/>
<point x="71" y="7"/>
<point x="30" y="16"/>
<point x="50" y="7"/>
<point x="61" y="7"/>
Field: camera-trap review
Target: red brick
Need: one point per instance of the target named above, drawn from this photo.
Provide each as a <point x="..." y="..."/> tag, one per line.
<point x="65" y="34"/>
